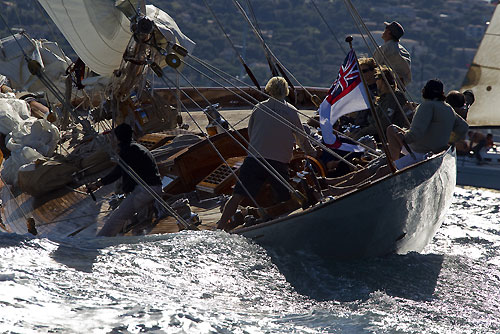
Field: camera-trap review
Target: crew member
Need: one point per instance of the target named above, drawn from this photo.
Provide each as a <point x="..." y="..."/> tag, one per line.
<point x="479" y="142"/>
<point x="270" y="139"/>
<point x="367" y="66"/>
<point x="387" y="109"/>
<point x="430" y="129"/>
<point x="457" y="101"/>
<point x="142" y="162"/>
<point x="393" y="54"/>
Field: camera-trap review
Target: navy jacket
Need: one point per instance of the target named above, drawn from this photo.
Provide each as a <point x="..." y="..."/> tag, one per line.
<point x="141" y="161"/>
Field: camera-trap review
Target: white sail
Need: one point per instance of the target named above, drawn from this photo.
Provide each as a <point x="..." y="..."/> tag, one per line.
<point x="483" y="78"/>
<point x="14" y="67"/>
<point x="99" y="32"/>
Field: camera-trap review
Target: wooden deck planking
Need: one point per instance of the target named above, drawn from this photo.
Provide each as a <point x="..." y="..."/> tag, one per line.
<point x="55" y="212"/>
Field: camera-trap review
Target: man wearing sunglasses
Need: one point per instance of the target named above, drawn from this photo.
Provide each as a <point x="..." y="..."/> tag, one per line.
<point x="367" y="66"/>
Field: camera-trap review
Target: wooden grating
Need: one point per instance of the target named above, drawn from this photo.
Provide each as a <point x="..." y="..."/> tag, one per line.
<point x="222" y="177"/>
<point x="151" y="140"/>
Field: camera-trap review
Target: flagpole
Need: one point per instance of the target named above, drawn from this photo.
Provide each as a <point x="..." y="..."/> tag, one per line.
<point x="374" y="114"/>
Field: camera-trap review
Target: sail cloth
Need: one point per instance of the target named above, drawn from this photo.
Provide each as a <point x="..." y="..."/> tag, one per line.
<point x="99" y="32"/>
<point x="346" y="95"/>
<point x="13" y="64"/>
<point x="483" y="78"/>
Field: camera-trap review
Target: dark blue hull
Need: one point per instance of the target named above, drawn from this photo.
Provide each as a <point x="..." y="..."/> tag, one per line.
<point x="397" y="214"/>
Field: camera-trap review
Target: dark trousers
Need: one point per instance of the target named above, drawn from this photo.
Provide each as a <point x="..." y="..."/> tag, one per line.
<point x="253" y="176"/>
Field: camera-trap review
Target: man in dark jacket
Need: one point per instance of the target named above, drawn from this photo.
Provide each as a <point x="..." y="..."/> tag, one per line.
<point x="139" y="159"/>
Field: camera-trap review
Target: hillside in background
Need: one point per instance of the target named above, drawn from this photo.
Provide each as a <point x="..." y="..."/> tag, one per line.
<point x="441" y="35"/>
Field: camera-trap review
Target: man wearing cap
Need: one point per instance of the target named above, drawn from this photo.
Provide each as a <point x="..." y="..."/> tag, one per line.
<point x="139" y="159"/>
<point x="469" y="100"/>
<point x="430" y="129"/>
<point x="393" y="54"/>
<point x="457" y="101"/>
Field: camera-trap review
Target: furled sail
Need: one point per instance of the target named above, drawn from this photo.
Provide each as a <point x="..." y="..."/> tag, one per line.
<point x="483" y="78"/>
<point x="13" y="64"/>
<point x="99" y="32"/>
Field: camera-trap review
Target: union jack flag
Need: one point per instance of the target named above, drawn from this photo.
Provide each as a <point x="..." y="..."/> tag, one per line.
<point x="347" y="79"/>
<point x="346" y="95"/>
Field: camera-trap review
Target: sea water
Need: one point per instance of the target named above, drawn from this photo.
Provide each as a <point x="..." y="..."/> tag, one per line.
<point x="212" y="282"/>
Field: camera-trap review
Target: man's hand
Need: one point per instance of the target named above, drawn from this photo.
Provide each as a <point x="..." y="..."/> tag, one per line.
<point x="397" y="131"/>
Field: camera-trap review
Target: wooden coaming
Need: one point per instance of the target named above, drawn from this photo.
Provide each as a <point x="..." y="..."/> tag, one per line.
<point x="195" y="162"/>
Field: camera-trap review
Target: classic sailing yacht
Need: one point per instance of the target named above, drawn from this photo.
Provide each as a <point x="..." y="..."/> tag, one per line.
<point x="396" y="212"/>
<point x="483" y="78"/>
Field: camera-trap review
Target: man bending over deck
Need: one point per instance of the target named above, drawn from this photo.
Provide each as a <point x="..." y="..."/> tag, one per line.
<point x="143" y="163"/>
<point x="430" y="129"/>
<point x="270" y="139"/>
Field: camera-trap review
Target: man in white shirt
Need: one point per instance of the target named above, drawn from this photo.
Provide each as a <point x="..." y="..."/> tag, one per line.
<point x="393" y="54"/>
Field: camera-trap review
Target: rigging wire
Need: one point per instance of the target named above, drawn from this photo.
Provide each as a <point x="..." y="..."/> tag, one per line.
<point x="293" y="95"/>
<point x="313" y="98"/>
<point x="240" y="58"/>
<point x="213" y="69"/>
<point x="281" y="119"/>
<point x="328" y="26"/>
<point x="272" y="66"/>
<point x="272" y="170"/>
<point x="270" y="58"/>
<point x="49" y="25"/>
<point x="217" y="151"/>
<point x="262" y="162"/>
<point x="359" y="22"/>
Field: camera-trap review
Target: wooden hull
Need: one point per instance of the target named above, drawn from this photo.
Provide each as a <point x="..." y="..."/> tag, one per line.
<point x="227" y="98"/>
<point x="397" y="214"/>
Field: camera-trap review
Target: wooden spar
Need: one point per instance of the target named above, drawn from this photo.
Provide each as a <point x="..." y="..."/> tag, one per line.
<point x="375" y="116"/>
<point x="270" y="57"/>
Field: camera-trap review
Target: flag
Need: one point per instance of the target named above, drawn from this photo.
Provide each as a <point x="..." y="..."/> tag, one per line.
<point x="346" y="95"/>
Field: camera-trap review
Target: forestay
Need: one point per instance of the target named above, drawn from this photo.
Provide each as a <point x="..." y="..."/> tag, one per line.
<point x="484" y="78"/>
<point x="99" y="32"/>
